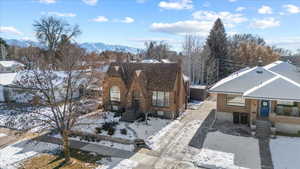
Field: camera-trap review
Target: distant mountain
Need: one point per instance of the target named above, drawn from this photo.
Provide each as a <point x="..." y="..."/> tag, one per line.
<point x="22" y="43"/>
<point x="90" y="47"/>
<point x="100" y="47"/>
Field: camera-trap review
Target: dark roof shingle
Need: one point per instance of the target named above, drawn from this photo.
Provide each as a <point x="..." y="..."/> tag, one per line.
<point x="158" y="76"/>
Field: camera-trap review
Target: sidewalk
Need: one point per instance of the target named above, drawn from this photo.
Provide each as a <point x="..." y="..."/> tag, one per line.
<point x="101" y="150"/>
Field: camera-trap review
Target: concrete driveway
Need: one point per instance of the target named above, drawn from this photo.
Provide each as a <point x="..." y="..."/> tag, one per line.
<point x="244" y="149"/>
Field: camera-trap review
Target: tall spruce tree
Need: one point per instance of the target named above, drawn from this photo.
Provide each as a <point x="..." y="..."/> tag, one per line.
<point x="218" y="47"/>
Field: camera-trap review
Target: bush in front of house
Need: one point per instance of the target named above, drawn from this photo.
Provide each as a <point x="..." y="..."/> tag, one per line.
<point x="98" y="130"/>
<point x="107" y="125"/>
<point x="124" y="131"/>
<point x="111" y="131"/>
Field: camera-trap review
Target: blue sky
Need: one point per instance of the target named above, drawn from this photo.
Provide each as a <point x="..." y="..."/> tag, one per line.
<point x="131" y="22"/>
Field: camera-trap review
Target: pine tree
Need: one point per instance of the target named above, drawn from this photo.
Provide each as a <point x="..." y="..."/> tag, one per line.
<point x="218" y="47"/>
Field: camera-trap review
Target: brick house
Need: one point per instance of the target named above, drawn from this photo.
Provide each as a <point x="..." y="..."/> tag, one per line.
<point x="270" y="93"/>
<point x="136" y="88"/>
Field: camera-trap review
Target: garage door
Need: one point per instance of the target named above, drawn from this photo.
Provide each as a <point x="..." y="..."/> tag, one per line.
<point x="1" y="94"/>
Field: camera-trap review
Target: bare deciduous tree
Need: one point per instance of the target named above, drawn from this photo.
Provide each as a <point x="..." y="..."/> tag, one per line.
<point x="57" y="83"/>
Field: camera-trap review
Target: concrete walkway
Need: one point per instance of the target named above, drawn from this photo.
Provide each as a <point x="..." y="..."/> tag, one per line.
<point x="174" y="151"/>
<point x="99" y="149"/>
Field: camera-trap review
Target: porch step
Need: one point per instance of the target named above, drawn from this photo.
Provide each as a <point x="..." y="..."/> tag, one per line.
<point x="263" y="129"/>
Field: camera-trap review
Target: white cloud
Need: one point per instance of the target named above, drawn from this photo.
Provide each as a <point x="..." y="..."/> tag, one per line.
<point x="9" y="29"/>
<point x="61" y="14"/>
<point x="127" y="20"/>
<point x="176" y="5"/>
<point x="232" y="0"/>
<point x="265" y="23"/>
<point x="47" y="1"/>
<point x="100" y="19"/>
<point x="201" y="25"/>
<point x="183" y="27"/>
<point x="229" y="19"/>
<point x="291" y="43"/>
<point x="240" y="9"/>
<point x="293" y="9"/>
<point x="265" y="10"/>
<point x="90" y="2"/>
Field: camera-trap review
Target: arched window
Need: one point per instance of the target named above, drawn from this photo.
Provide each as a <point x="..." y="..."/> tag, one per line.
<point x="115" y="94"/>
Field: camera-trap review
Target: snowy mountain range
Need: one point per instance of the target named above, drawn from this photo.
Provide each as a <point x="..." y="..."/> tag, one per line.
<point x="90" y="47"/>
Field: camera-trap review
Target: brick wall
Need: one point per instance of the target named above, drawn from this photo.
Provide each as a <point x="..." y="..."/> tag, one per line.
<point x="223" y="107"/>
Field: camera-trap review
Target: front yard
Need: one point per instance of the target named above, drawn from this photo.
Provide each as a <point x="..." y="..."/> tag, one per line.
<point x="103" y="123"/>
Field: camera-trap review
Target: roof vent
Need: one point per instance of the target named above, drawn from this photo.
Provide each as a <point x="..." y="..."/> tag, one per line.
<point x="259" y="71"/>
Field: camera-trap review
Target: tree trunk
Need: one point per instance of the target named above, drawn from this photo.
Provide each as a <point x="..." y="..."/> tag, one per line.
<point x="66" y="147"/>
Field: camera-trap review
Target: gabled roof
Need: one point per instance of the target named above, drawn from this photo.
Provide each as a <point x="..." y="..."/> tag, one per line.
<point x="158" y="76"/>
<point x="10" y="63"/>
<point x="276" y="81"/>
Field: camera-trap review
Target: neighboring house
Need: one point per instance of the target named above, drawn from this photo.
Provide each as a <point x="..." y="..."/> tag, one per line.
<point x="12" y="92"/>
<point x="271" y="92"/>
<point x="136" y="88"/>
<point x="10" y="66"/>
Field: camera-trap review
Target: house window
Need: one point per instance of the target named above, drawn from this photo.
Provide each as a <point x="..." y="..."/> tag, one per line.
<point x="115" y="94"/>
<point x="235" y="100"/>
<point x="285" y="103"/>
<point x="160" y="113"/>
<point x="160" y="99"/>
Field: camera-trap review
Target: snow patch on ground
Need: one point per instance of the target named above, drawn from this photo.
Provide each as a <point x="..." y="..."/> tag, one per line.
<point x="285" y="152"/>
<point x="3" y="135"/>
<point x="12" y="155"/>
<point x="215" y="160"/>
<point x="154" y="125"/>
<point x="194" y="104"/>
<point x="23" y="119"/>
<point x="154" y="141"/>
<point x="117" y="163"/>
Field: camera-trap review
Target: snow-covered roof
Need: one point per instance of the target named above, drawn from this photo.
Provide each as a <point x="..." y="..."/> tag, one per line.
<point x="150" y="61"/>
<point x="156" y="61"/>
<point x="7" y="78"/>
<point x="10" y="63"/>
<point x="185" y="77"/>
<point x="198" y="86"/>
<point x="27" y="78"/>
<point x="276" y="81"/>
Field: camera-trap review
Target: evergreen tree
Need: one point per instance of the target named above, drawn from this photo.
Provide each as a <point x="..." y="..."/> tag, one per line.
<point x="218" y="47"/>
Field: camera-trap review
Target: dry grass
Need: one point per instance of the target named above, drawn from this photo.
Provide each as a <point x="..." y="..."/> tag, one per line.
<point x="80" y="160"/>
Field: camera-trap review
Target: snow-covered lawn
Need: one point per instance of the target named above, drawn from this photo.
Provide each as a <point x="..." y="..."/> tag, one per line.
<point x="22" y="119"/>
<point x="151" y="132"/>
<point x="141" y="129"/>
<point x="285" y="152"/>
<point x="12" y="155"/>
